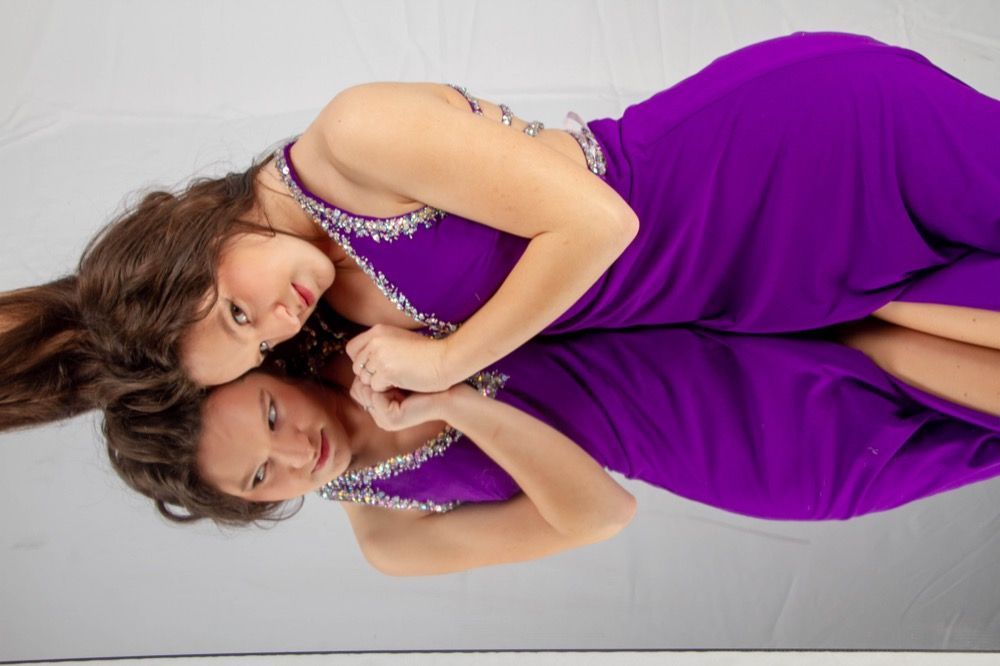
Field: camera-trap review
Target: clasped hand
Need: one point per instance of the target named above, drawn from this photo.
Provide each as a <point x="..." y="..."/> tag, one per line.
<point x="387" y="357"/>
<point x="395" y="409"/>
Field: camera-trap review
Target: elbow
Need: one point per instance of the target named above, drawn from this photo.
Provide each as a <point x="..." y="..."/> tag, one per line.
<point x="385" y="553"/>
<point x="624" y="512"/>
<point x="379" y="554"/>
<point x="628" y="226"/>
<point x="622" y="230"/>
<point x="386" y="567"/>
<point x="602" y="524"/>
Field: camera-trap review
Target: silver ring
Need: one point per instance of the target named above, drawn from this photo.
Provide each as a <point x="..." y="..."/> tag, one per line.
<point x="363" y="364"/>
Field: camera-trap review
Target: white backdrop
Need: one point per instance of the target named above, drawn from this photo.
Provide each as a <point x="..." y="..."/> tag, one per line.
<point x="100" y="99"/>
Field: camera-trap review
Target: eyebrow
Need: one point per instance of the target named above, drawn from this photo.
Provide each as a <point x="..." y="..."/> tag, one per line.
<point x="262" y="401"/>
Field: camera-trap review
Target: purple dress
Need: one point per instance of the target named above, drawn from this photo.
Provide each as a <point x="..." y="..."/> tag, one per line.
<point x="779" y="428"/>
<point x="791" y="185"/>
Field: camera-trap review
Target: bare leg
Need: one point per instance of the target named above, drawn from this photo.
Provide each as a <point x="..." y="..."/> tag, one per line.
<point x="971" y="325"/>
<point x="962" y="373"/>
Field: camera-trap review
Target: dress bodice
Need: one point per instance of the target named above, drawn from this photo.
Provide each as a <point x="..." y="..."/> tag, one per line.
<point x="395" y="252"/>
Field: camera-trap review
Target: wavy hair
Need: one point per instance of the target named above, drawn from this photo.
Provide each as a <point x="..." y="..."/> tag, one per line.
<point x="112" y="330"/>
<point x="155" y="453"/>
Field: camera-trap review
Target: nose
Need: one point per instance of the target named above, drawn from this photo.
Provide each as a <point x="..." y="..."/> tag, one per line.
<point x="294" y="449"/>
<point x="284" y="323"/>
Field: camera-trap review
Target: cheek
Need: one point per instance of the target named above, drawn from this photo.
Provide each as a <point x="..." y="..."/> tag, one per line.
<point x="254" y="259"/>
<point x="307" y="255"/>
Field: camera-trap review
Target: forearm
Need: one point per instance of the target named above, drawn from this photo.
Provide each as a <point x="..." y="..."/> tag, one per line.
<point x="553" y="273"/>
<point x="570" y="490"/>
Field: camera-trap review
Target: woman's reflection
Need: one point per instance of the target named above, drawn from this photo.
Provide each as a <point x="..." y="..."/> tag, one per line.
<point x="777" y="428"/>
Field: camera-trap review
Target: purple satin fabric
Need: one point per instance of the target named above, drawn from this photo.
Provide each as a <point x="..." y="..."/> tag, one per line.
<point x="778" y="428"/>
<point x="791" y="185"/>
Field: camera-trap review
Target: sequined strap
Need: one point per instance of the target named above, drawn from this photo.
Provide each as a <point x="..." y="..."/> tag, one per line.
<point x="355" y="486"/>
<point x="506" y="116"/>
<point x="588" y="143"/>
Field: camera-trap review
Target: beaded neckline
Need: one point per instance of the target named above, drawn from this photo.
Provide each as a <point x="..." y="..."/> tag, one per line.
<point x="342" y="227"/>
<point x="355" y="486"/>
<point x="378" y="228"/>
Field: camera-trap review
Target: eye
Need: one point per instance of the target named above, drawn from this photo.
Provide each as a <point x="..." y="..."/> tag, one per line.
<point x="265" y="349"/>
<point x="272" y="416"/>
<point x="258" y="478"/>
<point x="238" y="315"/>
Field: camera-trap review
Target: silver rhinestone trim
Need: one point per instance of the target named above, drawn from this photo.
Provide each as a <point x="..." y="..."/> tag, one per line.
<point x="473" y="102"/>
<point x="355" y="486"/>
<point x="592" y="150"/>
<point x="506" y="115"/>
<point x="438" y="327"/>
<point x="533" y="128"/>
<point x="340" y="230"/>
<point x="385" y="229"/>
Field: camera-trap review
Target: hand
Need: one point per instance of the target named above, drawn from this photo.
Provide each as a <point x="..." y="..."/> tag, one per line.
<point x="385" y="357"/>
<point x="395" y="409"/>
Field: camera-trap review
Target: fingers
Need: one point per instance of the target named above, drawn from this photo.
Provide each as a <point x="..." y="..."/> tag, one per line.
<point x="380" y="401"/>
<point x="360" y="393"/>
<point x="374" y="355"/>
<point x="371" y="373"/>
<point x="379" y="382"/>
<point x="356" y="345"/>
<point x="359" y="349"/>
<point x="363" y="370"/>
<point x="364" y="365"/>
<point x="385" y="409"/>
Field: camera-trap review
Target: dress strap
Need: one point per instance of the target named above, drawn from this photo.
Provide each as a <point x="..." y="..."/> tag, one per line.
<point x="506" y="116"/>
<point x="591" y="148"/>
<point x="473" y="102"/>
<point x="588" y="143"/>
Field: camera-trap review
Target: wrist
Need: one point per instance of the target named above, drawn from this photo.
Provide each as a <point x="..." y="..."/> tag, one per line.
<point x="447" y="368"/>
<point x="451" y="403"/>
<point x="455" y="366"/>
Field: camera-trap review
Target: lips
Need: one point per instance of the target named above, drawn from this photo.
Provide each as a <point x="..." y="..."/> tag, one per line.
<point x="307" y="296"/>
<point x="324" y="451"/>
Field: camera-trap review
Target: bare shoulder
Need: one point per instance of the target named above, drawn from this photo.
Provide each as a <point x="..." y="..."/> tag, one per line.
<point x="363" y="98"/>
<point x="361" y="117"/>
<point x="422" y="142"/>
<point x="376" y="527"/>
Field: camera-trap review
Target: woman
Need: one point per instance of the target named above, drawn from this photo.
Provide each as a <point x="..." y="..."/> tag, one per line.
<point x="792" y="429"/>
<point x="793" y="184"/>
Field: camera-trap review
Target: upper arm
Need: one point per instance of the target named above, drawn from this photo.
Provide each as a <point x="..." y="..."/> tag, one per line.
<point x="473" y="535"/>
<point x="408" y="139"/>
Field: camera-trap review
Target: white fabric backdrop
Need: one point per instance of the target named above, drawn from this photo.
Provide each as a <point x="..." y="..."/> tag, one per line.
<point x="100" y="99"/>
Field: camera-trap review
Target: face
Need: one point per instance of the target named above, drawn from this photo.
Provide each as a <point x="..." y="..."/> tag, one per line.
<point x="268" y="285"/>
<point x="265" y="439"/>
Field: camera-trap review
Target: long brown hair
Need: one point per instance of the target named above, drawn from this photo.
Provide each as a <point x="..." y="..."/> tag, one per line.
<point x="111" y="331"/>
<point x="155" y="453"/>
